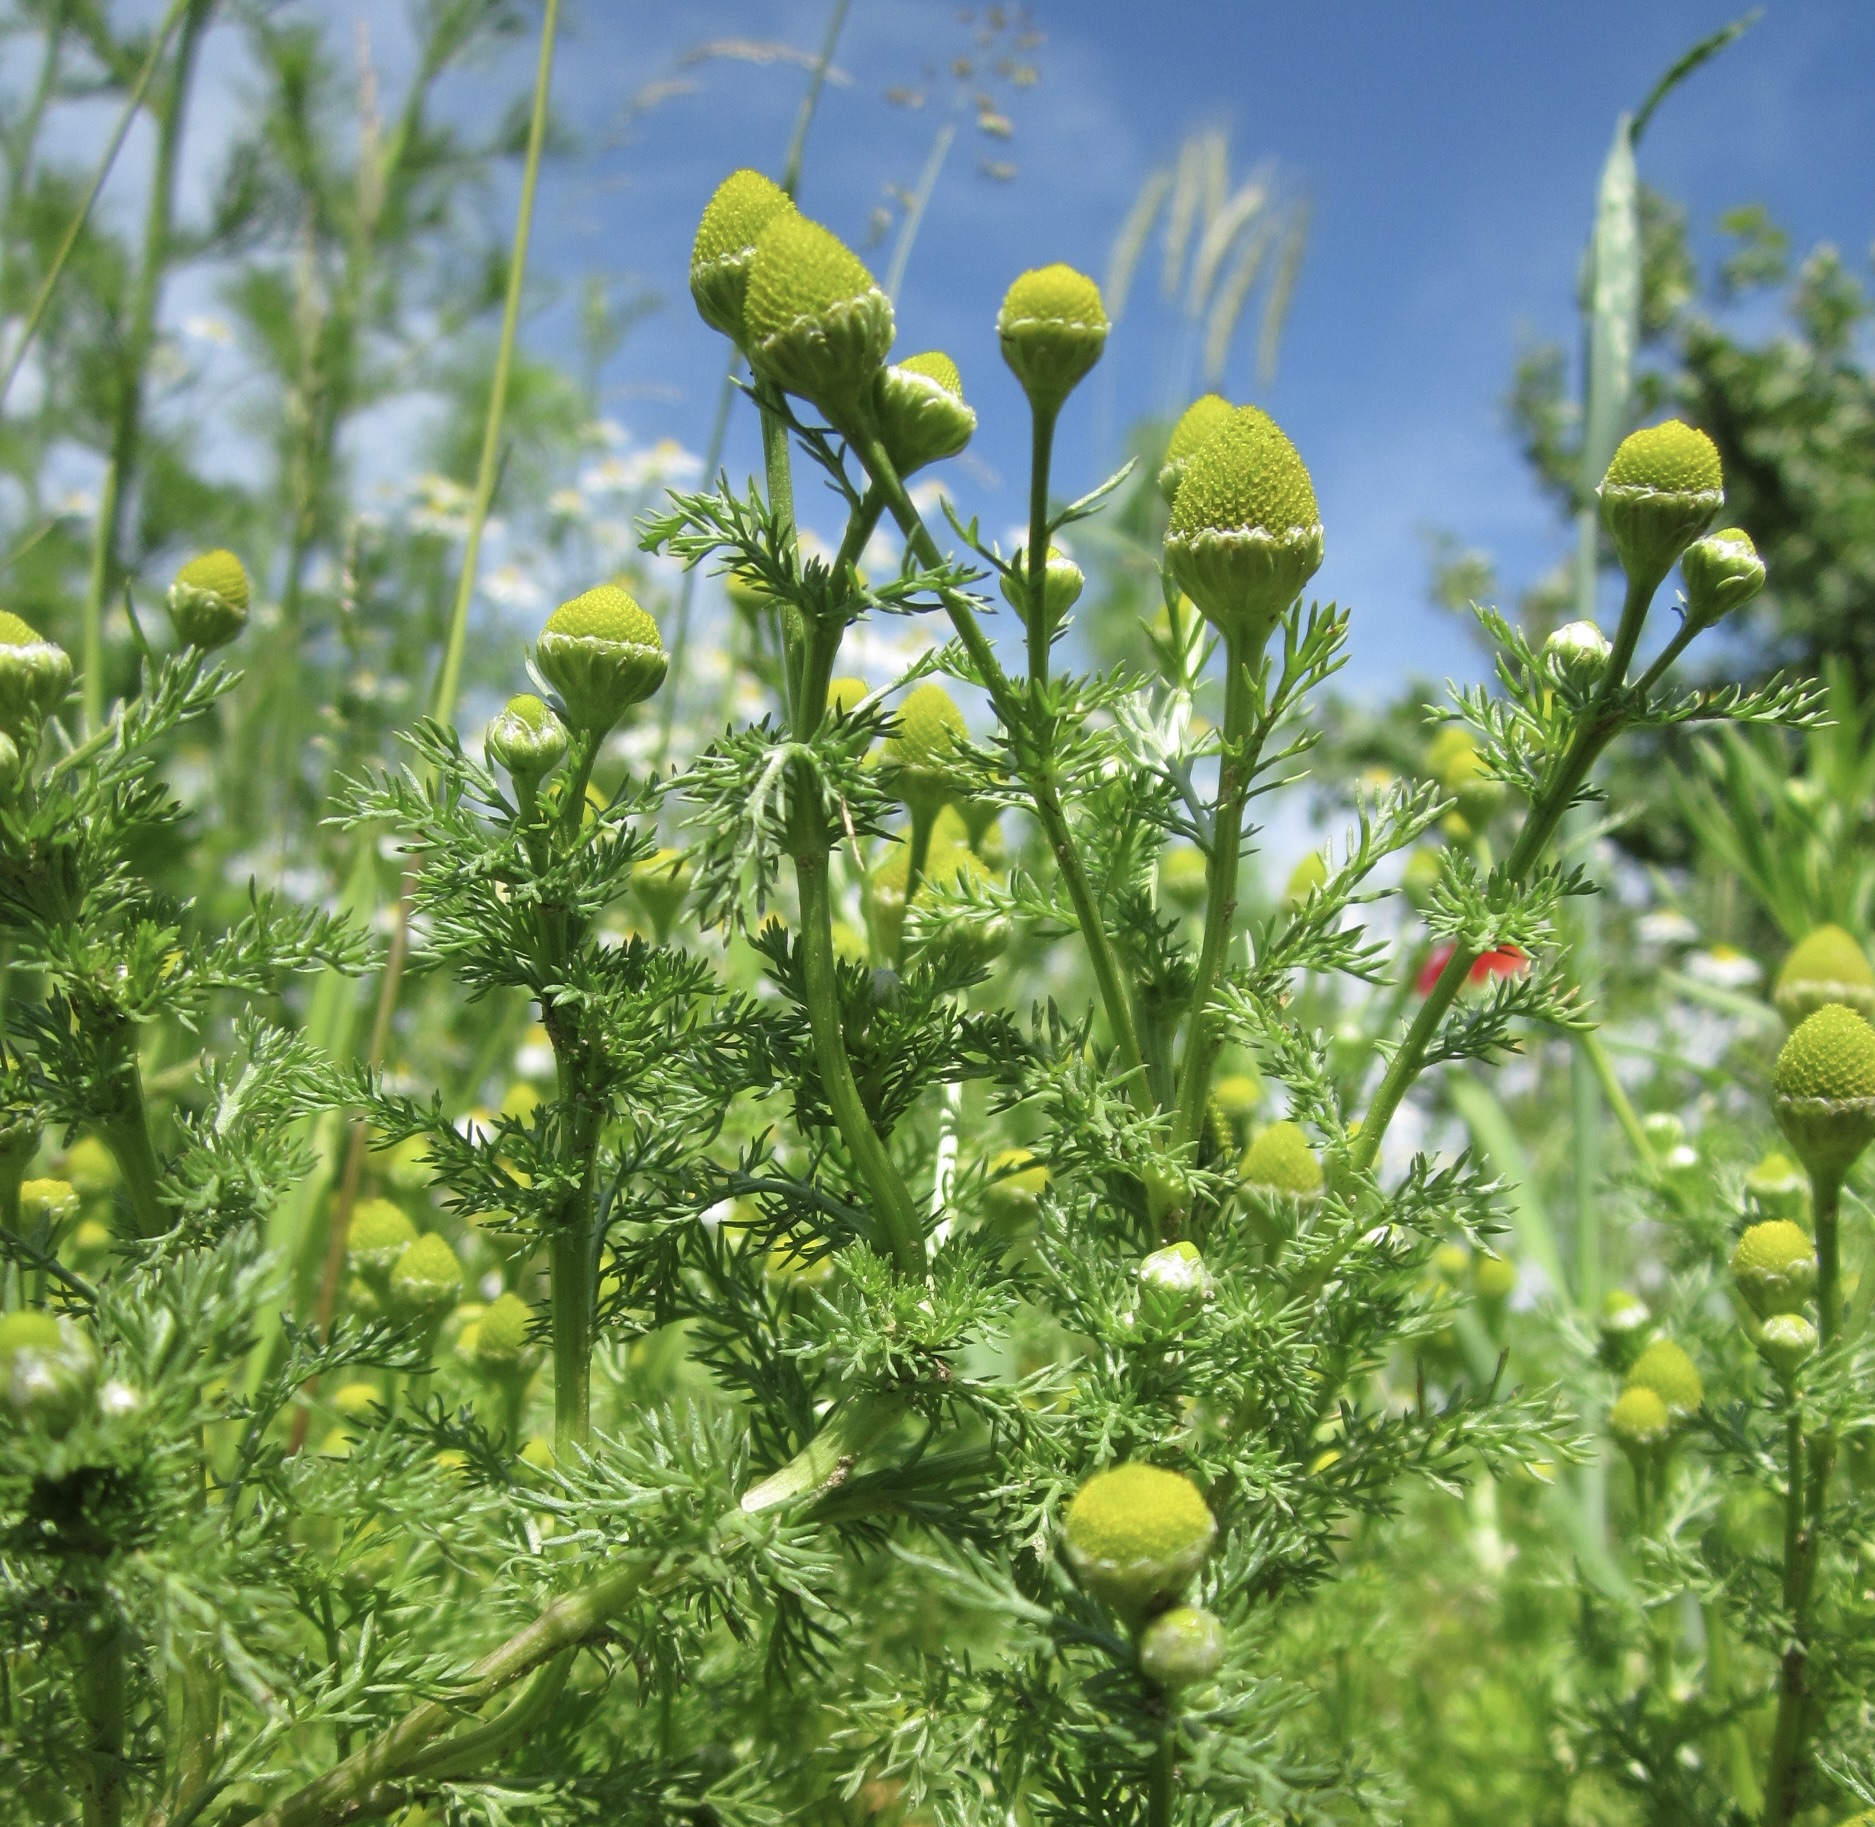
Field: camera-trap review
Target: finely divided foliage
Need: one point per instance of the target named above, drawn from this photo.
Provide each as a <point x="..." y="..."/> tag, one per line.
<point x="952" y="1418"/>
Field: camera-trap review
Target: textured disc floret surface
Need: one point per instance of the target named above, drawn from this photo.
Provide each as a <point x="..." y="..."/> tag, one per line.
<point x="817" y="322"/>
<point x="1052" y="327"/>
<point x="929" y="727"/>
<point x="501" y="1337"/>
<point x="1825" y="966"/>
<point x="219" y="571"/>
<point x="380" y="1233"/>
<point x="1774" y="1265"/>
<point x="1197" y="423"/>
<point x="1280" y="1160"/>
<point x="606" y="613"/>
<point x="428" y="1276"/>
<point x="1665" y="1368"/>
<point x="1829" y="1056"/>
<point x="1136" y="1534"/>
<point x="801" y="270"/>
<point x="732" y="222"/>
<point x="1247" y="476"/>
<point x="1639" y="1419"/>
<point x="1673" y="458"/>
<point x="935" y="365"/>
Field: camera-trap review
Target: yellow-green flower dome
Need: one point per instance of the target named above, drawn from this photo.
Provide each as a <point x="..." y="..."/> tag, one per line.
<point x="743" y="205"/>
<point x="1662" y="488"/>
<point x="1062" y="583"/>
<point x="1824" y="966"/>
<point x="1135" y="1535"/>
<point x="602" y="653"/>
<point x="1723" y="572"/>
<point x="1774" y="1266"/>
<point x="922" y="414"/>
<point x="1640" y="1420"/>
<point x="1824" y="1090"/>
<point x="380" y="1233"/>
<point x="1246" y="533"/>
<point x="920" y="751"/>
<point x="1787" y="1341"/>
<point x="1207" y="414"/>
<point x="427" y="1279"/>
<point x="1052" y="327"/>
<point x="1281" y="1161"/>
<point x="208" y="600"/>
<point x="526" y="738"/>
<point x="502" y="1342"/>
<point x="35" y="675"/>
<point x="818" y="324"/>
<point x="48" y="1369"/>
<point x="1665" y="1368"/>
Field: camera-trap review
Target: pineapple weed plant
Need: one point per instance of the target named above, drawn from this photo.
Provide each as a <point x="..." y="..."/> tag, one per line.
<point x="973" y="1305"/>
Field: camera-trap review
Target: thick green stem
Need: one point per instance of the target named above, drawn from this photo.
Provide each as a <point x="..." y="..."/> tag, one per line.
<point x="1599" y="726"/>
<point x="1037" y="776"/>
<point x="488" y="468"/>
<point x="101" y="1701"/>
<point x="570" y="1260"/>
<point x="124" y="1124"/>
<point x="1162" y="1776"/>
<point x="1041" y="453"/>
<point x="778" y="475"/>
<point x="1826" y="1198"/>
<point x="1233" y="784"/>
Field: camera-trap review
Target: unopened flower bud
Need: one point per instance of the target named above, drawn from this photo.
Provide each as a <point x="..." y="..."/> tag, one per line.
<point x="1665" y="1368"/>
<point x="1013" y="1187"/>
<point x="1826" y="965"/>
<point x="1246" y="534"/>
<point x="1774" y="1267"/>
<point x="35" y="675"/>
<point x="380" y="1233"/>
<point x="1174" y="1285"/>
<point x="1182" y="1647"/>
<point x="1823" y="1087"/>
<point x="48" y="1369"/>
<point x="1281" y="1163"/>
<point x="743" y="205"/>
<point x="427" y="1280"/>
<point x="662" y="884"/>
<point x="1495" y="1277"/>
<point x="527" y="739"/>
<point x="48" y="1204"/>
<point x="602" y="654"/>
<point x="1052" y="328"/>
<point x="817" y="323"/>
<point x="1661" y="491"/>
<point x="1777" y="1187"/>
<point x="1204" y="416"/>
<point x="1623" y="1326"/>
<point x="1578" y="651"/>
<point x="1062" y="583"/>
<point x="1640" y="1421"/>
<point x="208" y="601"/>
<point x="502" y="1345"/>
<point x="1475" y="790"/>
<point x="920" y="752"/>
<point x="1184" y="876"/>
<point x="1135" y="1535"/>
<point x="1723" y="572"/>
<point x="1787" y="1342"/>
<point x="922" y="414"/>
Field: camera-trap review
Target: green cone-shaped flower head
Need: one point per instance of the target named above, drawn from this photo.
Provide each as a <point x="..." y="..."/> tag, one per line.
<point x="1623" y="1326"/>
<point x="1281" y="1161"/>
<point x="427" y="1280"/>
<point x="1661" y="491"/>
<point x="818" y="325"/>
<point x="1787" y="1342"/>
<point x="1578" y="651"/>
<point x="1135" y="1535"/>
<point x="527" y="739"/>
<point x="1640" y="1421"/>
<point x="1184" y="876"/>
<point x="1777" y="1187"/>
<point x="921" y="752"/>
<point x="1495" y="1277"/>
<point x="1182" y="1647"/>
<point x="208" y="601"/>
<point x="502" y="1344"/>
<point x="1774" y="1267"/>
<point x="662" y="884"/>
<point x="1824" y="966"/>
<point x="1723" y="572"/>
<point x="35" y="675"/>
<point x="1823" y="1090"/>
<point x="602" y="654"/>
<point x="1062" y="583"/>
<point x="1246" y="534"/>
<point x="921" y="412"/>
<point x="48" y="1369"/>
<point x="51" y="1203"/>
<point x="1208" y="413"/>
<point x="380" y="1233"/>
<point x="1052" y="328"/>
<point x="732" y="222"/>
<point x="1665" y="1368"/>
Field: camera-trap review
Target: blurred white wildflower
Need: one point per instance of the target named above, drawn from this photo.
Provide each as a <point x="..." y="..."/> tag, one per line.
<point x="513" y="587"/>
<point x="567" y="503"/>
<point x="1665" y="926"/>
<point x="199" y="327"/>
<point x="1724" y="967"/>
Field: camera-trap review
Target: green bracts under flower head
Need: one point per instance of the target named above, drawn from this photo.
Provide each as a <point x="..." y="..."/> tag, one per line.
<point x="1246" y="534"/>
<point x="602" y="654"/>
<point x="743" y="205"/>
<point x="1826" y="965"/>
<point x="1723" y="572"/>
<point x="208" y="601"/>
<point x="920" y="407"/>
<point x="35" y="675"/>
<point x="1062" y="584"/>
<point x="1660" y="493"/>
<point x="1135" y="1535"/>
<point x="1205" y="416"/>
<point x="1052" y="328"/>
<point x="818" y="324"/>
<point x="527" y="739"/>
<point x="1823" y="1089"/>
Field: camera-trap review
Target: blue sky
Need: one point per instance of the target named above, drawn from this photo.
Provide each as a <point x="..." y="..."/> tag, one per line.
<point x="1448" y="150"/>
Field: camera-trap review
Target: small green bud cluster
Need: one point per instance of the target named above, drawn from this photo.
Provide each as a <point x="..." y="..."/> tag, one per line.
<point x="1823" y="1087"/>
<point x="921" y="411"/>
<point x="918" y="757"/>
<point x="1578" y="651"/>
<point x="208" y="601"/>
<point x="1774" y="1269"/>
<point x="1062" y="583"/>
<point x="1280" y="1164"/>
<point x="1723" y="572"/>
<point x="1623" y="1327"/>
